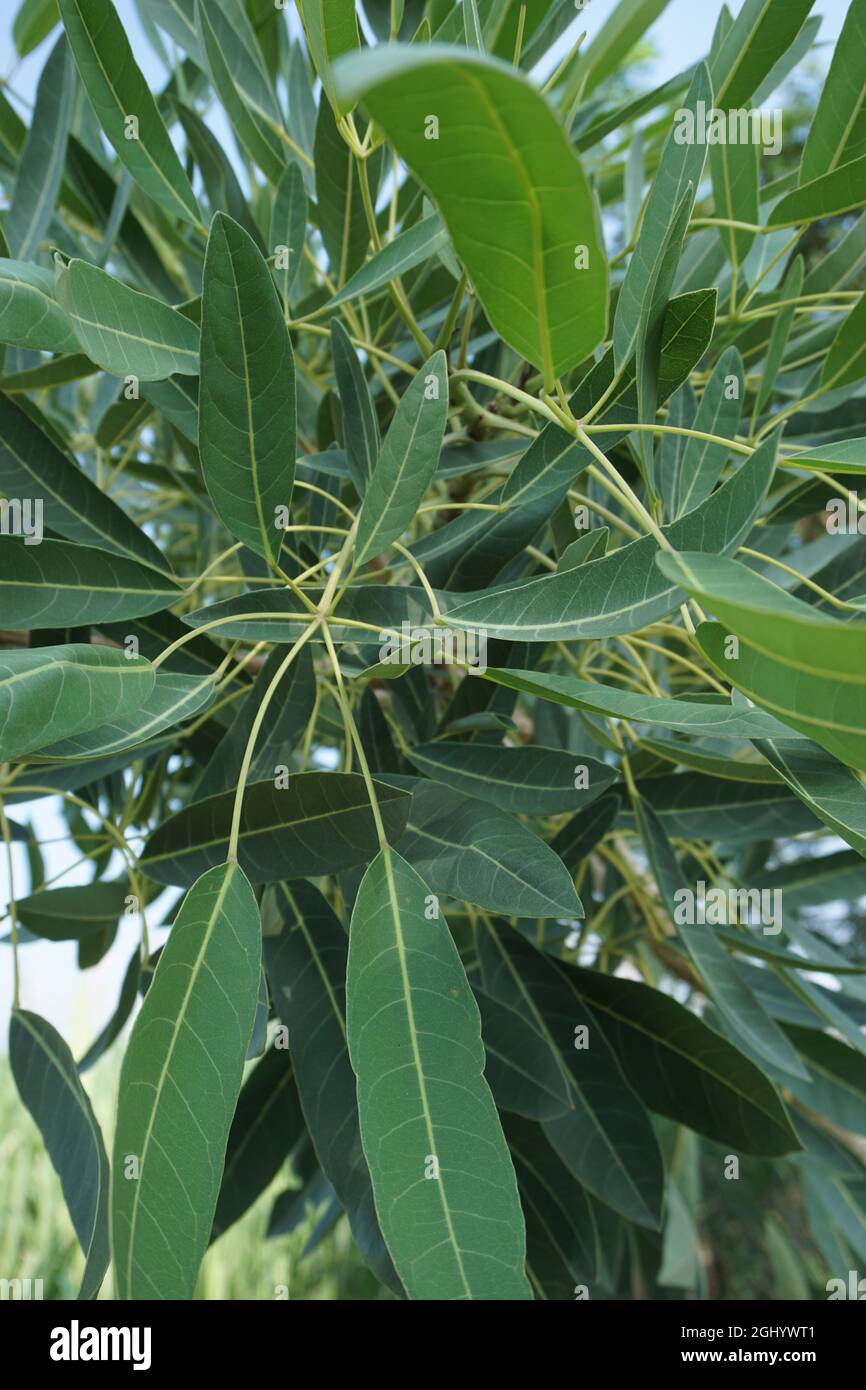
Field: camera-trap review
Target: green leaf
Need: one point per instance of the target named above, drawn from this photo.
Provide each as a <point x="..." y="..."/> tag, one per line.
<point x="331" y="27"/>
<point x="619" y="593"/>
<point x="339" y="203"/>
<point x="837" y="1085"/>
<point x="406" y="462"/>
<point x="534" y="781"/>
<point x="266" y="1126"/>
<point x="444" y="1186"/>
<point x="837" y="134"/>
<point x="58" y="584"/>
<point x="247" y="392"/>
<point x="645" y="290"/>
<point x="55" y="692"/>
<point x="48" y="1084"/>
<point x="843" y="189"/>
<point x="408" y="249"/>
<point x="255" y="135"/>
<point x="734" y="169"/>
<point x="306" y="951"/>
<point x="846" y="360"/>
<point x="680" y="1068"/>
<point x="848" y="456"/>
<point x="360" y="426"/>
<point x="289" y="227"/>
<point x="761" y="33"/>
<point x="124" y="331"/>
<point x="320" y="824"/>
<point x="725" y="986"/>
<point x="117" y="90"/>
<point x="125" y="1004"/>
<point x="718" y="719"/>
<point x="173" y="699"/>
<point x="181" y="1075"/>
<point x="498" y="144"/>
<point x="465" y="848"/>
<point x="33" y="22"/>
<point x="613" y="43"/>
<point x="30" y="317"/>
<point x="72" y="505"/>
<point x="605" y="1137"/>
<point x="288" y="715"/>
<point x="826" y="786"/>
<point x="523" y="1072"/>
<point x="719" y="414"/>
<point x="40" y="168"/>
<point x="67" y="914"/>
<point x="807" y="669"/>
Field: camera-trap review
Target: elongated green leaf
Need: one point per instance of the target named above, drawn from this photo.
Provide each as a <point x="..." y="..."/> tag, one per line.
<point x="289" y="228"/>
<point x="407" y="461"/>
<point x="55" y="692"/>
<point x="846" y="360"/>
<point x="117" y="91"/>
<point x="826" y="786"/>
<point x="181" y="1076"/>
<point x="72" y="505"/>
<point x="807" y="669"/>
<point x="361" y="427"/>
<point x="40" y="168"/>
<point x="725" y="986"/>
<point x="848" y="456"/>
<point x="408" y="249"/>
<point x="838" y="130"/>
<point x="718" y="718"/>
<point x="843" y="189"/>
<point x="523" y="1072"/>
<point x="124" y="331"/>
<point x="444" y="1186"/>
<point x="647" y="283"/>
<point x="719" y="414"/>
<point x="114" y="1026"/>
<point x="734" y="169"/>
<point x="247" y="392"/>
<point x="331" y="27"/>
<point x="339" y="202"/>
<point x="33" y="22"/>
<point x="498" y="144"/>
<point x="760" y="34"/>
<point x="321" y="823"/>
<point x="837" y="1088"/>
<point x="173" y="699"/>
<point x="254" y="134"/>
<point x="605" y="1138"/>
<point x="30" y="317"/>
<point x="220" y="180"/>
<point x="468" y="850"/>
<point x="619" y="593"/>
<point x="562" y="1235"/>
<point x="44" y="1072"/>
<point x="266" y="1126"/>
<point x="67" y="914"/>
<point x="306" y="950"/>
<point x="681" y="1068"/>
<point x="58" y="584"/>
<point x="623" y="28"/>
<point x="535" y="781"/>
<point x="288" y="715"/>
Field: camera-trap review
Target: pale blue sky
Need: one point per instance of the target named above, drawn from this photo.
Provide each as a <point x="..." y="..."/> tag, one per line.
<point x="52" y="985"/>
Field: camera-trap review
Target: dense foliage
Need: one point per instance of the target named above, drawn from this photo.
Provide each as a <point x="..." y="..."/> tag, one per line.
<point x="431" y="552"/>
